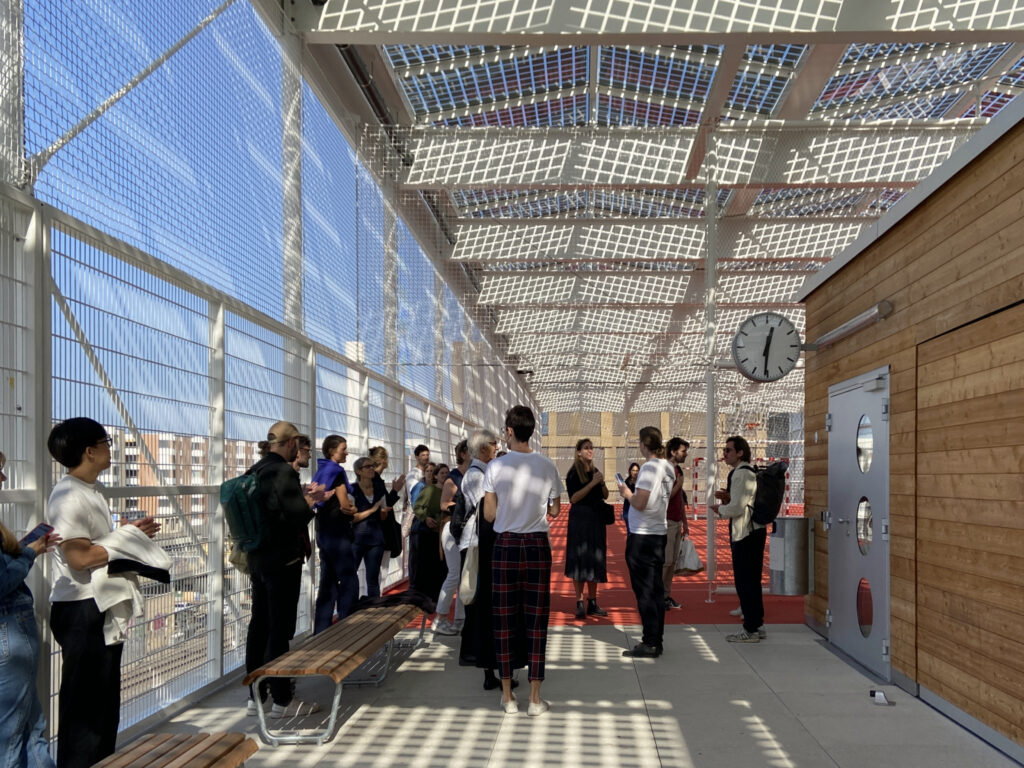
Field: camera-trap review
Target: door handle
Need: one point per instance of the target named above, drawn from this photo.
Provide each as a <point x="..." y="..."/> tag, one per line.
<point x="843" y="520"/>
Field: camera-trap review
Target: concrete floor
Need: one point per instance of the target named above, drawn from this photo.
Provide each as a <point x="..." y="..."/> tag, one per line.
<point x="786" y="702"/>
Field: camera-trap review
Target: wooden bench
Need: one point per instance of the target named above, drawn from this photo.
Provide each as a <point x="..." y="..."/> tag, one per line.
<point x="335" y="653"/>
<point x="184" y="750"/>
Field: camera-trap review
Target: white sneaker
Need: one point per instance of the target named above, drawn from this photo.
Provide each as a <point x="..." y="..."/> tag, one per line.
<point x="762" y="633"/>
<point x="510" y="707"/>
<point x="443" y="627"/>
<point x="295" y="708"/>
<point x="535" y="710"/>
<point x="736" y="612"/>
<point x="250" y="707"/>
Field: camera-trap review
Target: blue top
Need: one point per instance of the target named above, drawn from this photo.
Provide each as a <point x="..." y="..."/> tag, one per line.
<point x="455" y="475"/>
<point x="330" y="520"/>
<point x="416" y="490"/>
<point x="330" y="474"/>
<point x="14" y="592"/>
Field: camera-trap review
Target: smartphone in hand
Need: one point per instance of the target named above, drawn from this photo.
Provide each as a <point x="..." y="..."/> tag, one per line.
<point x="37" y="533"/>
<point x="618" y="479"/>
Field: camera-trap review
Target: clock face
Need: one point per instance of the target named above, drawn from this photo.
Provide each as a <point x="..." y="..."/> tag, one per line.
<point x="766" y="347"/>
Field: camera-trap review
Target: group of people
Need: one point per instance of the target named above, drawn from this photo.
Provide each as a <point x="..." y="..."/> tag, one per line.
<point x="508" y="500"/>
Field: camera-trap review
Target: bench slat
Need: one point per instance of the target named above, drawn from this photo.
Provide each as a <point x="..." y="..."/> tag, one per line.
<point x="340" y="649"/>
<point x="336" y="663"/>
<point x="184" y="750"/>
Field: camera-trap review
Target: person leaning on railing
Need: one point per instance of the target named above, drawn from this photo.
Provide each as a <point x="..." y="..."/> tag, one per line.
<point x="22" y="725"/>
<point x="90" y="684"/>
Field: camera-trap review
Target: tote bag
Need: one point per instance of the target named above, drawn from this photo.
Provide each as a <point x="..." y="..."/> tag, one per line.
<point x="470" y="572"/>
<point x="688" y="560"/>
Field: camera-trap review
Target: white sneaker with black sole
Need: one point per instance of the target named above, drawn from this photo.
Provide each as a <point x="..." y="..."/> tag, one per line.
<point x="295" y="708"/>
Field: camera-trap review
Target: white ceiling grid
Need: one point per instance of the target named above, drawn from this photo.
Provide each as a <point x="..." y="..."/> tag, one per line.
<point x="582" y="156"/>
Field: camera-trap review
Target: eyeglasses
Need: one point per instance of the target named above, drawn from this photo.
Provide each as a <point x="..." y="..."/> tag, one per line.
<point x="728" y="450"/>
<point x="493" y="442"/>
<point x="107" y="441"/>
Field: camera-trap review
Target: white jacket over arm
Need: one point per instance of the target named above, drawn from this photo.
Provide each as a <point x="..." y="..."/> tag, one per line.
<point x="130" y="553"/>
<point x="741" y="501"/>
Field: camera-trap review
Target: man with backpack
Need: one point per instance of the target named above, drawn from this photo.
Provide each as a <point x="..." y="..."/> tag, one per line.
<point x="275" y="564"/>
<point x="746" y="538"/>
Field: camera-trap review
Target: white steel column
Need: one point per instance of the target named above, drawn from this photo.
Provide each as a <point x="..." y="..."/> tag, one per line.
<point x="389" y="293"/>
<point x="215" y="551"/>
<point x="439" y="339"/>
<point x="710" y="327"/>
<point x="39" y="408"/>
<point x="12" y="92"/>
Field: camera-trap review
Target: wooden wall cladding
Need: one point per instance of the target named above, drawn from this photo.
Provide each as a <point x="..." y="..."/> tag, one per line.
<point x="958" y="257"/>
<point x="970" y="519"/>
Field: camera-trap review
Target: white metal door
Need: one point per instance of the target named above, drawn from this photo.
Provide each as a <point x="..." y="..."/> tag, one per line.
<point x="858" y="518"/>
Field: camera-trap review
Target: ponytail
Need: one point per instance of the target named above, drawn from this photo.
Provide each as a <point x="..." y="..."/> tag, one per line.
<point x="650" y="438"/>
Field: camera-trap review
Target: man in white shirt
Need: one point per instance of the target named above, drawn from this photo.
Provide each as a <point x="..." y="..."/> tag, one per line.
<point x="645" y="544"/>
<point x="746" y="538"/>
<point x="521" y="490"/>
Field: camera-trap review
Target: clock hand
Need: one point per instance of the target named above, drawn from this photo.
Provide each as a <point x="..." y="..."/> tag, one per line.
<point x="768" y="341"/>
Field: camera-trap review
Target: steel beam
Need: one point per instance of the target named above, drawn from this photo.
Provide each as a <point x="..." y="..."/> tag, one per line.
<point x="539" y="22"/>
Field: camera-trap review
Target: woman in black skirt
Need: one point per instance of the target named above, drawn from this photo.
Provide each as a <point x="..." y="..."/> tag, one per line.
<point x="585" y="541"/>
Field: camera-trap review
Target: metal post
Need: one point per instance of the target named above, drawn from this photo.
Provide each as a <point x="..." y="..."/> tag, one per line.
<point x="215" y="552"/>
<point x="710" y="327"/>
<point x="39" y="411"/>
<point x="12" y="93"/>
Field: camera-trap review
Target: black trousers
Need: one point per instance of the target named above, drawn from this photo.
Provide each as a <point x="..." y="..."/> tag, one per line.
<point x="645" y="559"/>
<point x="275" y="602"/>
<point x="747" y="564"/>
<point x="90" y="685"/>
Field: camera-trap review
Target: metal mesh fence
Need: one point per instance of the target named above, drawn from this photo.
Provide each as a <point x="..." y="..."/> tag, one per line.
<point x="149" y="139"/>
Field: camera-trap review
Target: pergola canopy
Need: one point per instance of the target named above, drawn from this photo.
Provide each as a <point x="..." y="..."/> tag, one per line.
<point x="612" y="187"/>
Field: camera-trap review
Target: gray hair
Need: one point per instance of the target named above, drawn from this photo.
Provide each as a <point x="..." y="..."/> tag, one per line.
<point x="479" y="439"/>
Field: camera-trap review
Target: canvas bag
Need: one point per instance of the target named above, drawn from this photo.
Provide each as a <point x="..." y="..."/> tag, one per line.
<point x="688" y="560"/>
<point x="470" y="571"/>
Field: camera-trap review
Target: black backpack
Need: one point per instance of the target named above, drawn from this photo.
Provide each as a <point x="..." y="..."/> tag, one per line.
<point x="461" y="511"/>
<point x="771" y="490"/>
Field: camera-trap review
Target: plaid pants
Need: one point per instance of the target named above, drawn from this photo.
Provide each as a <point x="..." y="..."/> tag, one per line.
<point x="522" y="588"/>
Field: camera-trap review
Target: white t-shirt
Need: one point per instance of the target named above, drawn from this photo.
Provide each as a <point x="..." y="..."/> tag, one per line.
<point x="657" y="477"/>
<point x="523" y="483"/>
<point x="76" y="510"/>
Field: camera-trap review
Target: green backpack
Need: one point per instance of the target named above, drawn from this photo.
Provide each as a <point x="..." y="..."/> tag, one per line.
<point x="239" y="498"/>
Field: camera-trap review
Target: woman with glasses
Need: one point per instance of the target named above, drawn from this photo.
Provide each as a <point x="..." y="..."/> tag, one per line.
<point x="478" y="647"/>
<point x="22" y="725"/>
<point x="586" y="545"/>
<point x="90" y="684"/>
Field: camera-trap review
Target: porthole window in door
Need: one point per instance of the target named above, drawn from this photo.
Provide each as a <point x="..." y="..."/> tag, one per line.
<point x="865" y="525"/>
<point x="865" y="608"/>
<point x="865" y="444"/>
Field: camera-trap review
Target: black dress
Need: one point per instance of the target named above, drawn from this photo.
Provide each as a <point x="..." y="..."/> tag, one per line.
<point x="586" y="545"/>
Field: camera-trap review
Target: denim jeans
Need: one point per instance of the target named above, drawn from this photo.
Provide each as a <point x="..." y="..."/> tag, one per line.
<point x="90" y="685"/>
<point x="372" y="556"/>
<point x="22" y="725"/>
<point x="339" y="584"/>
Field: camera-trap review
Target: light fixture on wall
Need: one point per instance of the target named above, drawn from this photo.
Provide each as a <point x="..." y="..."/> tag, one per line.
<point x="863" y="320"/>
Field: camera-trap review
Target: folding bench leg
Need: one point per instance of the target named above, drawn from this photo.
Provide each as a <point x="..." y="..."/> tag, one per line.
<point x="317" y="737"/>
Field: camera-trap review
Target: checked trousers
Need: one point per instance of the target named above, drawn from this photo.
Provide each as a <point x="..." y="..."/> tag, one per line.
<point x="521" y="595"/>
